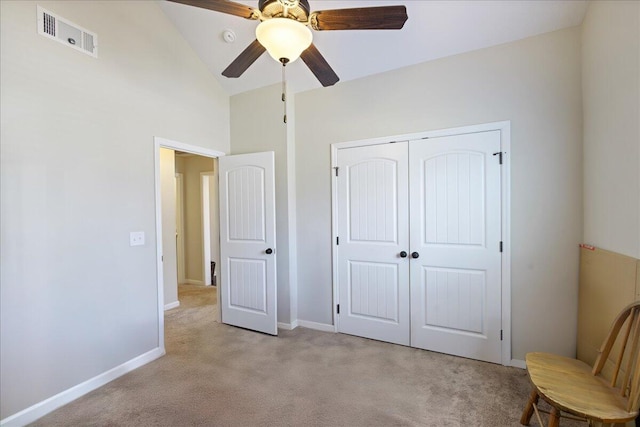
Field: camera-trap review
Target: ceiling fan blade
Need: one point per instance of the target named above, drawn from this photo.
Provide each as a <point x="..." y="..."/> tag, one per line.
<point x="364" y="18"/>
<point x="319" y="66"/>
<point x="244" y="60"/>
<point x="224" y="6"/>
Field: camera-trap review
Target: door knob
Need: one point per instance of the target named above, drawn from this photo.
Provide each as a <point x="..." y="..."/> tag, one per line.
<point x="269" y="251"/>
<point x="403" y="254"/>
<point x="415" y="255"/>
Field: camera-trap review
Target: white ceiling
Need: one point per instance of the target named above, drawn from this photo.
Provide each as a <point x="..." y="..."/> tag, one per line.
<point x="435" y="29"/>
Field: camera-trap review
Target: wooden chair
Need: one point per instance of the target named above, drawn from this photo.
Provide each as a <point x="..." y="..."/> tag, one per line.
<point x="572" y="386"/>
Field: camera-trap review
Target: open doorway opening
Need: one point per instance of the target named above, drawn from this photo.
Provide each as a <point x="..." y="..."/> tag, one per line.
<point x="184" y="252"/>
<point x="189" y="205"/>
<point x="196" y="203"/>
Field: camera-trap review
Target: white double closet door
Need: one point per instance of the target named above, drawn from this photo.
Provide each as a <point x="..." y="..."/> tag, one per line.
<point x="419" y="249"/>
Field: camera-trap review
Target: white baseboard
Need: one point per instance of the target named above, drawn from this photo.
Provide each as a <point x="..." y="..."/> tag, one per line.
<point x="317" y="326"/>
<point x="39" y="410"/>
<point x="171" y="305"/>
<point x="288" y="326"/>
<point x="517" y="363"/>
<point x="194" y="282"/>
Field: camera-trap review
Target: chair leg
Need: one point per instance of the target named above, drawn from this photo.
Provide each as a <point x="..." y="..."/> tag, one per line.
<point x="528" y="410"/>
<point x="554" y="417"/>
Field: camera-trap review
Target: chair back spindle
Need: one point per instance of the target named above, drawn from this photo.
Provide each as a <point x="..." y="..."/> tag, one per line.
<point x="614" y="377"/>
<point x="634" y="395"/>
<point x="628" y="375"/>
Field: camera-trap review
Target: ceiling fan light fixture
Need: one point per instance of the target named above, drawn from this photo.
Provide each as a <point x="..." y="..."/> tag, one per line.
<point x="284" y="38"/>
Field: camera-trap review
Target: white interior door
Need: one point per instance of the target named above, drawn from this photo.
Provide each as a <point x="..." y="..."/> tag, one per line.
<point x="373" y="276"/>
<point x="247" y="241"/>
<point x="456" y="236"/>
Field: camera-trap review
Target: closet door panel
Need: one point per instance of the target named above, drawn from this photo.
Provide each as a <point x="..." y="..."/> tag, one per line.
<point x="455" y="231"/>
<point x="372" y="209"/>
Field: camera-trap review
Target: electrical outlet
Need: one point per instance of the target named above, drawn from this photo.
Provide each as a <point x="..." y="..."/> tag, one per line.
<point x="136" y="238"/>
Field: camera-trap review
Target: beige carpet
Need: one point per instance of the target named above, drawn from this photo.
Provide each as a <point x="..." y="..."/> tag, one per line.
<point x="216" y="374"/>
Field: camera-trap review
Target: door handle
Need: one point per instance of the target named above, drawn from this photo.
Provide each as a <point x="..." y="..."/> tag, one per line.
<point x="415" y="255"/>
<point x="403" y="254"/>
<point x="269" y="251"/>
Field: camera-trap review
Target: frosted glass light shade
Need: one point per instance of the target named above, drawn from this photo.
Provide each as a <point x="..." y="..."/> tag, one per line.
<point x="284" y="38"/>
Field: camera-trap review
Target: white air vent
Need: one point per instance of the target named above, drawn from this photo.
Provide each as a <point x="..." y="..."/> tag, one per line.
<point x="67" y="33"/>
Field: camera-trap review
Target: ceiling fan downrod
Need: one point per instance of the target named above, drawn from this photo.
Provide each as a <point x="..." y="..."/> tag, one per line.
<point x="288" y="4"/>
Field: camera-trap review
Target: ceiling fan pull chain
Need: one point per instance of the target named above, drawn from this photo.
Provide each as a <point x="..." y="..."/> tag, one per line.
<point x="284" y="87"/>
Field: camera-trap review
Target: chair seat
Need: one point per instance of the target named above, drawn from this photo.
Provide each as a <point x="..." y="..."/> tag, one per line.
<point x="569" y="385"/>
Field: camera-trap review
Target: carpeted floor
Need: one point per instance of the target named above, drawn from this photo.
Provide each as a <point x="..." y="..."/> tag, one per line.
<point x="215" y="374"/>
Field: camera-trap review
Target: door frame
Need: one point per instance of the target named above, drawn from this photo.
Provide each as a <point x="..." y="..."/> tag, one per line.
<point x="505" y="183"/>
<point x="180" y="224"/>
<point x="158" y="143"/>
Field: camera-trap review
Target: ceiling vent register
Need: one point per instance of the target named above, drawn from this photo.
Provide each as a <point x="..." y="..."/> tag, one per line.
<point x="67" y="33"/>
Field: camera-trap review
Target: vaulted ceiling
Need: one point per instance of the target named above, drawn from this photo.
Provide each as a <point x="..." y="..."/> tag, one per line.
<point x="435" y="29"/>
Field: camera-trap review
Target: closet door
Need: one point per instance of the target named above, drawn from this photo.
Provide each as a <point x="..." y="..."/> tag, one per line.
<point x="373" y="271"/>
<point x="455" y="245"/>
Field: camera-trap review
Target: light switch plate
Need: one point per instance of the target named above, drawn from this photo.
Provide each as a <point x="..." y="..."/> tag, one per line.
<point x="136" y="238"/>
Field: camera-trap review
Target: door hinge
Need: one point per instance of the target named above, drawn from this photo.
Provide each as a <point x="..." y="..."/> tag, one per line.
<point x="500" y="334"/>
<point x="338" y="309"/>
<point x="501" y="246"/>
<point x="162" y="258"/>
<point x="337" y="240"/>
<point x="336" y="168"/>
<point x="499" y="154"/>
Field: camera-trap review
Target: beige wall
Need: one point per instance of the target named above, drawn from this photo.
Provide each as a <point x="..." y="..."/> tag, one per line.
<point x="535" y="83"/>
<point x="191" y="167"/>
<point x="611" y="103"/>
<point x="77" y="175"/>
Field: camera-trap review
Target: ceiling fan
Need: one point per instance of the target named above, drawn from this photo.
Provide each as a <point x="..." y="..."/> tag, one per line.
<point x="284" y="30"/>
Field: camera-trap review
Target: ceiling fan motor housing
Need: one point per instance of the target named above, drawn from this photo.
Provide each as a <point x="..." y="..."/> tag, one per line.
<point x="275" y="8"/>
